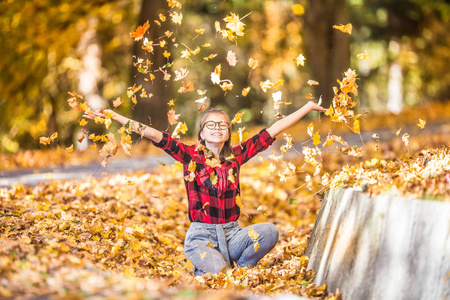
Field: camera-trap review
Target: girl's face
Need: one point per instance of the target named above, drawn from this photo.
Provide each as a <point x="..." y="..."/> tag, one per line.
<point x="215" y="128"/>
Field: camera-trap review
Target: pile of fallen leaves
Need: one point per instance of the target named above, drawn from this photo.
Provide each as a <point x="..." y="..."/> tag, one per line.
<point x="122" y="236"/>
<point x="426" y="175"/>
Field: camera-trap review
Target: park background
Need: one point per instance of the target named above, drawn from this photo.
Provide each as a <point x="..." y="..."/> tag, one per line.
<point x="50" y="48"/>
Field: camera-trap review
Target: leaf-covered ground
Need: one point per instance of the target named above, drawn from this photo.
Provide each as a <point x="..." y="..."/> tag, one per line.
<point x="122" y="235"/>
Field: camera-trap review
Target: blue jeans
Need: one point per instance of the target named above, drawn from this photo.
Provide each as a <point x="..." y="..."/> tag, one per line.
<point x="213" y="247"/>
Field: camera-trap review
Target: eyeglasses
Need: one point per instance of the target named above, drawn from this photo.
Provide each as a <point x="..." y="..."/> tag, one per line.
<point x="212" y="125"/>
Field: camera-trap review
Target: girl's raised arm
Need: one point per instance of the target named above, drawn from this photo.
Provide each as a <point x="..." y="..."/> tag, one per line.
<point x="281" y="125"/>
<point x="139" y="128"/>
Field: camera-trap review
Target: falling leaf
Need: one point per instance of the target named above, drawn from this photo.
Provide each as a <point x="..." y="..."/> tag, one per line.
<point x="226" y="85"/>
<point x="69" y="149"/>
<point x="271" y="168"/>
<point x="240" y="136"/>
<point x="310" y="129"/>
<point x="376" y="136"/>
<point x="83" y="122"/>
<point x="202" y="107"/>
<point x="316" y="139"/>
<point x="300" y="60"/>
<point x="186" y="87"/>
<point x="405" y="139"/>
<point x="110" y="148"/>
<point x="176" y="166"/>
<point x="421" y="123"/>
<point x="310" y="96"/>
<point x="312" y="82"/>
<point x="47" y="140"/>
<point x="245" y="91"/>
<point x="117" y="102"/>
<point x="253" y="63"/>
<point x="180" y="74"/>
<point x="176" y="17"/>
<point x="147" y="45"/>
<point x="80" y="138"/>
<point x="344" y="28"/>
<point x="138" y="34"/>
<point x="215" y="76"/>
<point x="234" y="24"/>
<point x="265" y="85"/>
<point x="398" y="131"/>
<point x="200" y="31"/>
<point x="174" y="4"/>
<point x="238" y="118"/>
<point x="231" y="58"/>
<point x="173" y="118"/>
<point x="364" y="55"/>
<point x="209" y="57"/>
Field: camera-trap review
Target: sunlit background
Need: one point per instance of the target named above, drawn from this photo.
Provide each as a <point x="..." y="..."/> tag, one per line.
<point x="51" y="47"/>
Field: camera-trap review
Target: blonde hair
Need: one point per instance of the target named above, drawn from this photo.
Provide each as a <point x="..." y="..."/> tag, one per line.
<point x="227" y="150"/>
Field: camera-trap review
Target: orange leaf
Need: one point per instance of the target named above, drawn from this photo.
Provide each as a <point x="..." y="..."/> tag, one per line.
<point x="117" y="102"/>
<point x="202" y="107"/>
<point x="138" y="34"/>
<point x="173" y="118"/>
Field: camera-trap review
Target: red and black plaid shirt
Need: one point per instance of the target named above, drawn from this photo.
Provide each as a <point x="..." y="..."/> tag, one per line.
<point x="213" y="203"/>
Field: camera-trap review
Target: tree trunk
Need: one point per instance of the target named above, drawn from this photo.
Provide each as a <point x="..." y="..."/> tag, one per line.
<point x="152" y="110"/>
<point x="328" y="49"/>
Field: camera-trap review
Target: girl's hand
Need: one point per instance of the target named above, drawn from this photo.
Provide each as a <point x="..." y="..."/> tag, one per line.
<point x="98" y="113"/>
<point x="314" y="106"/>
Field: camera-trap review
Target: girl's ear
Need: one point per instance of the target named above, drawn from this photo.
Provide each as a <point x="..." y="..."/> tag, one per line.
<point x="201" y="135"/>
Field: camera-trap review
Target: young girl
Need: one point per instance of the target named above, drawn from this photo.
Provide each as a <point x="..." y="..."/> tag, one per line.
<point x="215" y="240"/>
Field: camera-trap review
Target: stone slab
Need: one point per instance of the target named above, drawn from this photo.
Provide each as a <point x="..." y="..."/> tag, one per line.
<point x="385" y="247"/>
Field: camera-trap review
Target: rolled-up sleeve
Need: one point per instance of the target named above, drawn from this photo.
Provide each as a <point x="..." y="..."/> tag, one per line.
<point x="253" y="146"/>
<point x="174" y="148"/>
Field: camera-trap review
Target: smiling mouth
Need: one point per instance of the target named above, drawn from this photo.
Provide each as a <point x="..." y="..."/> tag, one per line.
<point x="216" y="134"/>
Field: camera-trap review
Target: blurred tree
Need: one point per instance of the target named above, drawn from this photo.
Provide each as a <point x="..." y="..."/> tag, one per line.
<point x="328" y="49"/>
<point x="151" y="108"/>
<point x="40" y="63"/>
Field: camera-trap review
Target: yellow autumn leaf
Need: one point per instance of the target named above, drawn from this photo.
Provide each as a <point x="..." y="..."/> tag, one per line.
<point x="300" y="60"/>
<point x="177" y="166"/>
<point x="69" y="149"/>
<point x="83" y="122"/>
<point x="364" y="55"/>
<point x="421" y="123"/>
<point x="344" y="28"/>
<point x="245" y="91"/>
<point x="316" y="139"/>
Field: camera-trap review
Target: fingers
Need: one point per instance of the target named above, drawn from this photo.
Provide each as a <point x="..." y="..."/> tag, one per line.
<point x="93" y="115"/>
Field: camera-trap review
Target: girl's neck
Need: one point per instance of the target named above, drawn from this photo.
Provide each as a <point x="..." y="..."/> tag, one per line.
<point x="214" y="148"/>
